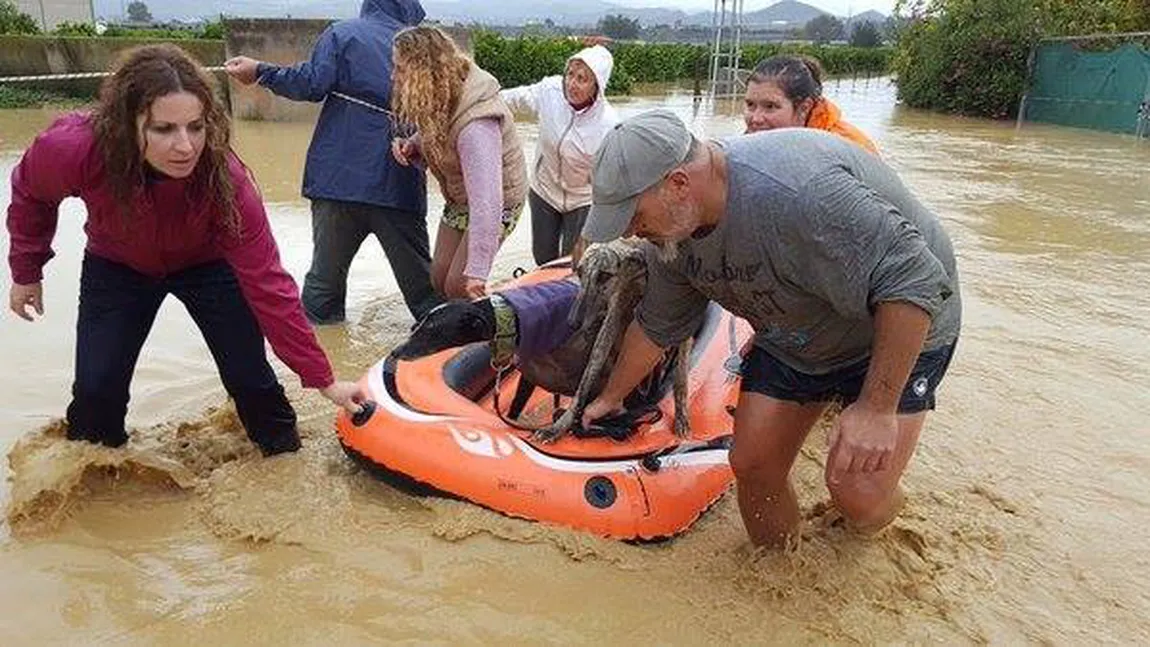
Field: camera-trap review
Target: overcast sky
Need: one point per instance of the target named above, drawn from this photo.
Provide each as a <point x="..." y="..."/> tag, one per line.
<point x="837" y="7"/>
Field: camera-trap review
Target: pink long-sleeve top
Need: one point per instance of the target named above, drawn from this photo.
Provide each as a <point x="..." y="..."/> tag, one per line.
<point x="480" y="148"/>
<point x="166" y="233"/>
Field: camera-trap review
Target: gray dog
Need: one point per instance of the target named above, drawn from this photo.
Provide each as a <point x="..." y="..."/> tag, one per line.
<point x="612" y="277"/>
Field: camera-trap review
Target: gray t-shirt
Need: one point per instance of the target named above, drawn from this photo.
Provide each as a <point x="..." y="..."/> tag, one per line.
<point x="816" y="233"/>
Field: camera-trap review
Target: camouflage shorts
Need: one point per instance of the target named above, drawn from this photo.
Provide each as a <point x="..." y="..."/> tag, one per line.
<point x="456" y="216"/>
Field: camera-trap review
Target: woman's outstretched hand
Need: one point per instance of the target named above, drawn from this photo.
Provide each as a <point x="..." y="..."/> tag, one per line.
<point x="344" y="394"/>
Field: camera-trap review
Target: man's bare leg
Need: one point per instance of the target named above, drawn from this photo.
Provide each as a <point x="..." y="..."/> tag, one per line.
<point x="768" y="436"/>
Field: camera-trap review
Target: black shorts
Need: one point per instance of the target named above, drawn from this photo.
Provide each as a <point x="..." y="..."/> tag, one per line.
<point x="764" y="374"/>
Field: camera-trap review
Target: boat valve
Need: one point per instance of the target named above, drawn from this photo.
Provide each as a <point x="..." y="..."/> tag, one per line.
<point x="366" y="411"/>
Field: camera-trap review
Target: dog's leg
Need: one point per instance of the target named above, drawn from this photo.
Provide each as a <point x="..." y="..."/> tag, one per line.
<point x="682" y="369"/>
<point x="523" y="393"/>
<point x="604" y="342"/>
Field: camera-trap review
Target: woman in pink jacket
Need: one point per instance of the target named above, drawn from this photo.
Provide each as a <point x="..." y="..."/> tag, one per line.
<point x="171" y="210"/>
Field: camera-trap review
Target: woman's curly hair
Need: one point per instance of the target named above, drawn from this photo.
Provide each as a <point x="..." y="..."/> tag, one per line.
<point x="427" y="83"/>
<point x="143" y="75"/>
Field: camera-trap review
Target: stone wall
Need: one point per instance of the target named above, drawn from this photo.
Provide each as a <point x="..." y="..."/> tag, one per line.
<point x="49" y="13"/>
<point x="283" y="41"/>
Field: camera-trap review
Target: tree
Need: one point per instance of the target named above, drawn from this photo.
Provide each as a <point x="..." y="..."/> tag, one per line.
<point x="138" y="12"/>
<point x="213" y="30"/>
<point x="1063" y="17"/>
<point x="892" y="25"/>
<point x="971" y="57"/>
<point x="866" y="34"/>
<point x="619" y="27"/>
<point x="825" y="28"/>
<point x="966" y="58"/>
<point x="13" y="21"/>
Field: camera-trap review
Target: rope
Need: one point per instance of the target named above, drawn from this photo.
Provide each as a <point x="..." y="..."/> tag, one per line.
<point x="398" y="128"/>
<point x="216" y="68"/>
<point x="75" y="75"/>
<point x="361" y="102"/>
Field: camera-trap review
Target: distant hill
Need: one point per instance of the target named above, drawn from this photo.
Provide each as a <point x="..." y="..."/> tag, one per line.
<point x="787" y="13"/>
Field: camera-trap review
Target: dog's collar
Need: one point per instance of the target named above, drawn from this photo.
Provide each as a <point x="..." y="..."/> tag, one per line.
<point x="506" y="333"/>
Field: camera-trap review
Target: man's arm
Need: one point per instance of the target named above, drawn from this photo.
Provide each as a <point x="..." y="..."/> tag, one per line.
<point x="670" y="311"/>
<point x="638" y="355"/>
<point x="866" y="434"/>
<point x="309" y="80"/>
<point x="856" y="250"/>
<point x="900" y="329"/>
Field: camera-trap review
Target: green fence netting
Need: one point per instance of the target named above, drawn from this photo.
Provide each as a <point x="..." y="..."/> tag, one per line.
<point x="1105" y="90"/>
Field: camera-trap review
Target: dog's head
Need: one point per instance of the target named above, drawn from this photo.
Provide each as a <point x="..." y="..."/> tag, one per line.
<point x="604" y="269"/>
<point x="451" y="324"/>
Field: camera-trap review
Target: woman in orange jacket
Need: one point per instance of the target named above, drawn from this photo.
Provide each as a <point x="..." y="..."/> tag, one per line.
<point x="787" y="92"/>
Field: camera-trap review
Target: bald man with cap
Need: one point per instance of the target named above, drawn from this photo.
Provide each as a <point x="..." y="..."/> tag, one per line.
<point x="849" y="282"/>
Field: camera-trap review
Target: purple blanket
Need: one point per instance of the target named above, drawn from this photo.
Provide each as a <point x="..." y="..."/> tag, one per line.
<point x="542" y="311"/>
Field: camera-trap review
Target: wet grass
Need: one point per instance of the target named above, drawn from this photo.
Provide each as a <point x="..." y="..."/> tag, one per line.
<point x="24" y="97"/>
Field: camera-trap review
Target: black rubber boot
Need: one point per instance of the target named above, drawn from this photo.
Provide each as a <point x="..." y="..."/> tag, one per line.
<point x="269" y="420"/>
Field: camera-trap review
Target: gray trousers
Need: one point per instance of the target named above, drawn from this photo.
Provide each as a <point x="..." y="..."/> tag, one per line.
<point x="338" y="229"/>
<point x="553" y="233"/>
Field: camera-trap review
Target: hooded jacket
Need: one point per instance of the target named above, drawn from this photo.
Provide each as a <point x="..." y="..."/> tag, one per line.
<point x="568" y="139"/>
<point x="349" y="158"/>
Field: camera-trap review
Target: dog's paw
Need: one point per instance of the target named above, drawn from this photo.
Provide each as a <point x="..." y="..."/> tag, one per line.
<point x="682" y="426"/>
<point x="555" y="430"/>
<point x="548" y="434"/>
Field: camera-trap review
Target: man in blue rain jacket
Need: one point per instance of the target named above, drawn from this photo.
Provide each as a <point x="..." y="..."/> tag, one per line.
<point x="354" y="184"/>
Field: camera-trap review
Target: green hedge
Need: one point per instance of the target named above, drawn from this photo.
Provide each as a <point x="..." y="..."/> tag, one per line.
<point x="520" y="61"/>
<point x="523" y="60"/>
<point x="661" y="62"/>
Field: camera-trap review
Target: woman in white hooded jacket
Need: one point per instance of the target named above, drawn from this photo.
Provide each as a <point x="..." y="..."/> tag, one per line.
<point x="574" y="116"/>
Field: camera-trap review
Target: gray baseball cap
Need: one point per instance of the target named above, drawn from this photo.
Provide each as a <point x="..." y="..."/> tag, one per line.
<point x="634" y="156"/>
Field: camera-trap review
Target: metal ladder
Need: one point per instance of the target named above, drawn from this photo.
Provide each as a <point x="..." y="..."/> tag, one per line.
<point x="725" y="54"/>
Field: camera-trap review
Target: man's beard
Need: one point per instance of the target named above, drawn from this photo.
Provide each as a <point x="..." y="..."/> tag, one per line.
<point x="685" y="218"/>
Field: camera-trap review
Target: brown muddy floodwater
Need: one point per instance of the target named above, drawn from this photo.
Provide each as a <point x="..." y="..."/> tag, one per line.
<point x="1029" y="494"/>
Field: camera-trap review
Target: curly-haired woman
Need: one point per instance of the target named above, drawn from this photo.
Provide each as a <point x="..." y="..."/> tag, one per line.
<point x="171" y="210"/>
<point x="466" y="135"/>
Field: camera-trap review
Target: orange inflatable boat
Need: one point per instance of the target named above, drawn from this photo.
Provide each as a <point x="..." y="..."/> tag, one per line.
<point x="430" y="427"/>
